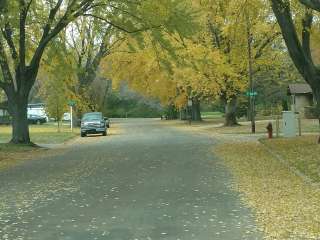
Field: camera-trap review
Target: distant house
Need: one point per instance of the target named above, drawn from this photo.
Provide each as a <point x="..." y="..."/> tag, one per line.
<point x="300" y="97"/>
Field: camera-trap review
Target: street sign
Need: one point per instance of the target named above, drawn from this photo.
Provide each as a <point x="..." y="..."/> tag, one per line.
<point x="251" y="94"/>
<point x="71" y="103"/>
<point x="189" y="103"/>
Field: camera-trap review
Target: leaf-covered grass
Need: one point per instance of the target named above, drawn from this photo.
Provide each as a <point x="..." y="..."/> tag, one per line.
<point x="11" y="154"/>
<point x="244" y="127"/>
<point x="215" y="125"/>
<point x="302" y="153"/>
<point x="42" y="134"/>
<point x="286" y="207"/>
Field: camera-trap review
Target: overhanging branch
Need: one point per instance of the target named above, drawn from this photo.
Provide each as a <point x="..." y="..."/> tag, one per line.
<point x="313" y="4"/>
<point x="120" y="27"/>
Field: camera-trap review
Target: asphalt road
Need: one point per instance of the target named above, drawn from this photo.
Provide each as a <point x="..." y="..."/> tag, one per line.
<point x="149" y="182"/>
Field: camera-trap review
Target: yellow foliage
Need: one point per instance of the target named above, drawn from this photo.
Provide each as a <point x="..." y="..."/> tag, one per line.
<point x="213" y="63"/>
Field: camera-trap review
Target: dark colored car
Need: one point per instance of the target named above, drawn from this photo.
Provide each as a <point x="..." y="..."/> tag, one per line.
<point x="36" y="119"/>
<point x="93" y="123"/>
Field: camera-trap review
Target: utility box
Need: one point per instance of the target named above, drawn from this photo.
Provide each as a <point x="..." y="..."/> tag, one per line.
<point x="289" y="124"/>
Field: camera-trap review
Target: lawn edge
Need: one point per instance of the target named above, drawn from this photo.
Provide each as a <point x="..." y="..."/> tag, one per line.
<point x="294" y="170"/>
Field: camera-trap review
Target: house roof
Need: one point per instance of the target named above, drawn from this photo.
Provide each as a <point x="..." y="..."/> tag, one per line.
<point x="299" y="88"/>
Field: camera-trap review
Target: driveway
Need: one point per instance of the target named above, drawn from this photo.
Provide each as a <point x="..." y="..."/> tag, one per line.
<point x="149" y="182"/>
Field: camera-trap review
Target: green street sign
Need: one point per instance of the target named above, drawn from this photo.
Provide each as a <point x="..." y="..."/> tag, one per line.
<point x="251" y="94"/>
<point x="71" y="103"/>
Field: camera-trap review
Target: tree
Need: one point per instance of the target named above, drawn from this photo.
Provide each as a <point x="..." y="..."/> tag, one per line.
<point x="240" y="30"/>
<point x="58" y="80"/>
<point x="300" y="48"/>
<point x="22" y="48"/>
<point x="89" y="41"/>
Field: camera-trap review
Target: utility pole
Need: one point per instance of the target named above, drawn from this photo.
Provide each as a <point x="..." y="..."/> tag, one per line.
<point x="250" y="73"/>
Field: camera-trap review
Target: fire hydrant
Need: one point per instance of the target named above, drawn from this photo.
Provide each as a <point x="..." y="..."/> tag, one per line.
<point x="270" y="130"/>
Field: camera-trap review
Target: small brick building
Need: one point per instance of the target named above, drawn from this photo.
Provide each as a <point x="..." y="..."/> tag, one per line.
<point x="301" y="97"/>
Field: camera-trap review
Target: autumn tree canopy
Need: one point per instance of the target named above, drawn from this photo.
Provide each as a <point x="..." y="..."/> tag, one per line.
<point x="29" y="26"/>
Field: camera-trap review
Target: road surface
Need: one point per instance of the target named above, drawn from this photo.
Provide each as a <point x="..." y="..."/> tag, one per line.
<point x="149" y="182"/>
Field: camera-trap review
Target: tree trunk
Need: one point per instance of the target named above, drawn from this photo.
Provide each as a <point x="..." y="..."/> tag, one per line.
<point x="231" y="112"/>
<point x="172" y="112"/>
<point x="196" y="111"/>
<point x="183" y="114"/>
<point x="18" y="108"/>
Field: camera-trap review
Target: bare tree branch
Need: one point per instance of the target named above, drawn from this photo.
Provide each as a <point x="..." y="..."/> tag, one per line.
<point x="4" y="63"/>
<point x="7" y="33"/>
<point x="307" y="25"/>
<point x="268" y="41"/>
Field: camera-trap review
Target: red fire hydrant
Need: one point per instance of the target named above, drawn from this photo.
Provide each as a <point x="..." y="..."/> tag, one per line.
<point x="270" y="130"/>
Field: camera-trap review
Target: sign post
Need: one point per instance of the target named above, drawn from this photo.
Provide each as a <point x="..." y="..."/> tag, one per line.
<point x="71" y="104"/>
<point x="252" y="94"/>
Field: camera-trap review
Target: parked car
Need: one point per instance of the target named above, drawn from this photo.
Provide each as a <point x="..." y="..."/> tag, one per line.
<point x="38" y="109"/>
<point x="36" y="119"/>
<point x="93" y="123"/>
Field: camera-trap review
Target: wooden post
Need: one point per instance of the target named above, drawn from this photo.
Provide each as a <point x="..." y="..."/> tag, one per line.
<point x="299" y="125"/>
<point x="278" y="126"/>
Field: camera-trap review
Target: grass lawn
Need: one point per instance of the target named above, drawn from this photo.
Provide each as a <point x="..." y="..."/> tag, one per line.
<point x="217" y="120"/>
<point x="210" y="115"/>
<point x="286" y="207"/>
<point x="244" y="127"/>
<point x="42" y="134"/>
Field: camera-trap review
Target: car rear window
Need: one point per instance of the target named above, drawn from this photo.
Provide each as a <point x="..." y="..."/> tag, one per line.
<point x="92" y="117"/>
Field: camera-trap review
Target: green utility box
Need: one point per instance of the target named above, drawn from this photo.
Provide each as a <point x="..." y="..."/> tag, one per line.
<point x="289" y="124"/>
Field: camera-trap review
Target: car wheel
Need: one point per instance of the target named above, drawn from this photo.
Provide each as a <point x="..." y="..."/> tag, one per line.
<point x="83" y="135"/>
<point x="38" y="122"/>
<point x="104" y="133"/>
